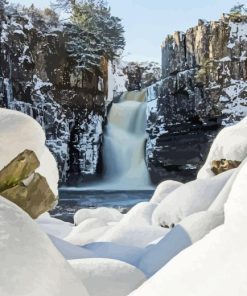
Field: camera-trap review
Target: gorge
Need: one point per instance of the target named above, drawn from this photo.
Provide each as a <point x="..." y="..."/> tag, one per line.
<point x="203" y="88"/>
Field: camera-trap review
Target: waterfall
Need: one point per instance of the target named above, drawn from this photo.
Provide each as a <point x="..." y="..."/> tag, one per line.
<point x="124" y="143"/>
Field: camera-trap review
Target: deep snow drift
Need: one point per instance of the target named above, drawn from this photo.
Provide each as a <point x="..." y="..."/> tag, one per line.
<point x="190" y="239"/>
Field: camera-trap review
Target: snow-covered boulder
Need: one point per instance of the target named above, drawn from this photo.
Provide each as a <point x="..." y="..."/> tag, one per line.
<point x="216" y="265"/>
<point x="22" y="146"/>
<point x="18" y="133"/>
<point x="53" y="226"/>
<point x="104" y="214"/>
<point x="189" y="198"/>
<point x="87" y="231"/>
<point x="107" y="277"/>
<point x="30" y="264"/>
<point x="187" y="232"/>
<point x="48" y="169"/>
<point x="219" y="202"/>
<point x="163" y="189"/>
<point x="136" y="228"/>
<point x="230" y="144"/>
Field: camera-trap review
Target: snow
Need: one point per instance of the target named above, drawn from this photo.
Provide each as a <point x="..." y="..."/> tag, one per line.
<point x="48" y="169"/>
<point x="19" y="132"/>
<point x="216" y="265"/>
<point x="105" y="214"/>
<point x="110" y="250"/>
<point x="136" y="228"/>
<point x="87" y="231"/>
<point x="233" y="100"/>
<point x="163" y="189"/>
<point x="29" y="136"/>
<point x="107" y="277"/>
<point x="30" y="264"/>
<point x="187" y="232"/>
<point x="230" y="144"/>
<point x="53" y="226"/>
<point x="70" y="251"/>
<point x="189" y="198"/>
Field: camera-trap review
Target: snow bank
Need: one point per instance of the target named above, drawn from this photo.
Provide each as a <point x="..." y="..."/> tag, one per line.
<point x="48" y="169"/>
<point x="30" y="264"/>
<point x="190" y="230"/>
<point x="189" y="198"/>
<point x="53" y="226"/>
<point x="87" y="231"/>
<point x="104" y="214"/>
<point x="70" y="251"/>
<point x="230" y="144"/>
<point x="19" y="132"/>
<point x="107" y="277"/>
<point x="216" y="265"/>
<point x="110" y="250"/>
<point x="163" y="189"/>
<point x="219" y="202"/>
<point x="135" y="229"/>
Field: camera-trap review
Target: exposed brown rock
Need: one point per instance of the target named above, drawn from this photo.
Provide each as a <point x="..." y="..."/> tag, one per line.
<point x="18" y="169"/>
<point x="223" y="165"/>
<point x="35" y="196"/>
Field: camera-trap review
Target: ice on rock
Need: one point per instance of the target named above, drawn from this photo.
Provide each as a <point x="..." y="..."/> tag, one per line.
<point x="230" y="144"/>
<point x="105" y="214"/>
<point x="18" y="133"/>
<point x="30" y="264"/>
<point x="163" y="189"/>
<point x="107" y="277"/>
<point x="189" y="198"/>
<point x="187" y="232"/>
<point x="136" y="228"/>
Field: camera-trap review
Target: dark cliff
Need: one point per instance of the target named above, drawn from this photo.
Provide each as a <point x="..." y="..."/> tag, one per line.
<point x="38" y="77"/>
<point x="204" y="87"/>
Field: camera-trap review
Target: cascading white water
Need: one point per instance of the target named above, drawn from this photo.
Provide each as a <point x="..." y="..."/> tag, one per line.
<point x="124" y="141"/>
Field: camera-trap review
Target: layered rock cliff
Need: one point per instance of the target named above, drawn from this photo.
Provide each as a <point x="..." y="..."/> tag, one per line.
<point x="39" y="78"/>
<point x="204" y="87"/>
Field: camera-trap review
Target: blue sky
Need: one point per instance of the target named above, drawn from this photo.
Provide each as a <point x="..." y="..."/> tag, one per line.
<point x="147" y="22"/>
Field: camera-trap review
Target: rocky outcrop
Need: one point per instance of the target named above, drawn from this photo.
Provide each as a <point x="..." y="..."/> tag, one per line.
<point x="142" y="74"/>
<point x="39" y="78"/>
<point x="204" y="87"/>
<point x="223" y="165"/>
<point x="20" y="184"/>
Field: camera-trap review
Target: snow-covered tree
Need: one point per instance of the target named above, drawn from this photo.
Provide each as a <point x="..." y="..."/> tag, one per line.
<point x="93" y="34"/>
<point x="239" y="9"/>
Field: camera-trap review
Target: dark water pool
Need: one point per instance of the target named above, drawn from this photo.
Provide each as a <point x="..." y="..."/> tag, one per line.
<point x="72" y="200"/>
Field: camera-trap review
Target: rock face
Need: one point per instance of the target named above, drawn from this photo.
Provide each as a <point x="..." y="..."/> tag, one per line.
<point x="26" y="188"/>
<point x="38" y="77"/>
<point x="141" y="75"/>
<point x="204" y="87"/>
